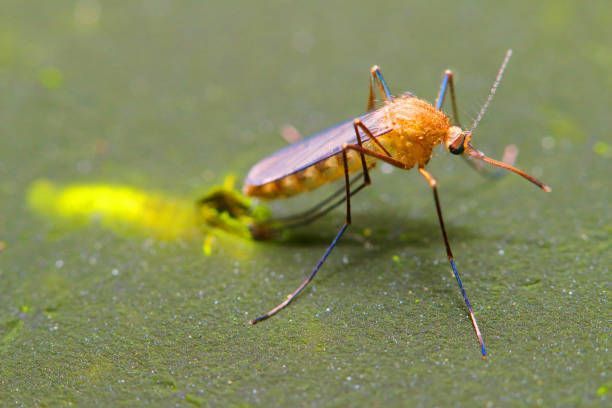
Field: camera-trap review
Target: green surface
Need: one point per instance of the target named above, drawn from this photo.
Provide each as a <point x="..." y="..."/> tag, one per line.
<point x="171" y="96"/>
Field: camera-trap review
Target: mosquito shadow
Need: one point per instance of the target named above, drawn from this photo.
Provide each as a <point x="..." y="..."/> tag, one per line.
<point x="383" y="230"/>
<point x="389" y="234"/>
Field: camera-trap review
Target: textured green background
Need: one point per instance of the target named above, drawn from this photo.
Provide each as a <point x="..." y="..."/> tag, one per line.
<point x="184" y="93"/>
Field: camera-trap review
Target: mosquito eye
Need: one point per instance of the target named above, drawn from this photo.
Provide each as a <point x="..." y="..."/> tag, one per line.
<point x="457" y="147"/>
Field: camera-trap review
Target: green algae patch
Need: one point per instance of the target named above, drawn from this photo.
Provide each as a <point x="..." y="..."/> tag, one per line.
<point x="9" y="332"/>
<point x="51" y="78"/>
<point x="603" y="149"/>
<point x="125" y="209"/>
<point x="225" y="208"/>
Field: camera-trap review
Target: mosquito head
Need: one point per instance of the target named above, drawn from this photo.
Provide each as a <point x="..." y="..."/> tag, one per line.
<point x="457" y="139"/>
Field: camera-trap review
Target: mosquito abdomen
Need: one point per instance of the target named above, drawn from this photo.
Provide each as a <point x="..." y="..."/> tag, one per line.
<point x="308" y="179"/>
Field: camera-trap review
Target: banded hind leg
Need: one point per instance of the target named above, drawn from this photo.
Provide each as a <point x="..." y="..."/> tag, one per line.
<point x="510" y="151"/>
<point x="322" y="260"/>
<point x="451" y="259"/>
<point x="433" y="184"/>
<point x="345" y="151"/>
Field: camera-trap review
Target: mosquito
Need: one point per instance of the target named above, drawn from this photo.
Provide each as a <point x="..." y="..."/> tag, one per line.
<point x="401" y="131"/>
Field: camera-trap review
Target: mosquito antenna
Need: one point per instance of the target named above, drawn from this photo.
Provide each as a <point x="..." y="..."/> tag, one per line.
<point x="498" y="78"/>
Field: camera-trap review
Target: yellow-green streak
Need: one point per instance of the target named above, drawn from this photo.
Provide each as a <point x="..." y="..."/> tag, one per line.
<point x="124" y="209"/>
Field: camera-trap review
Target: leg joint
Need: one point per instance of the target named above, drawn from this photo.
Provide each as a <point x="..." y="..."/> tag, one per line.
<point x="430" y="179"/>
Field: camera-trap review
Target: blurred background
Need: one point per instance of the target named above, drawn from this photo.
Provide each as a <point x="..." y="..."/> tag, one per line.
<point x="172" y="97"/>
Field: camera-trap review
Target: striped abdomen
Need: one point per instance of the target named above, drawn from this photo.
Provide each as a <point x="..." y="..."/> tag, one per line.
<point x="310" y="178"/>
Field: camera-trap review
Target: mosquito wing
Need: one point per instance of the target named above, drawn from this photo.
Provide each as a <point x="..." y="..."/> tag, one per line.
<point x="315" y="148"/>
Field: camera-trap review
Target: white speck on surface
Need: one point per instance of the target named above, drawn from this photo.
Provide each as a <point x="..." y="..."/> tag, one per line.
<point x="386" y="168"/>
<point x="328" y="310"/>
<point x="115" y="272"/>
<point x="548" y="142"/>
<point x="345" y="259"/>
<point x="59" y="263"/>
<point x="501" y="252"/>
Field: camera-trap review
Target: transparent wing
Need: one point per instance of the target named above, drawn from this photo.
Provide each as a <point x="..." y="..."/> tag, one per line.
<point x="315" y="148"/>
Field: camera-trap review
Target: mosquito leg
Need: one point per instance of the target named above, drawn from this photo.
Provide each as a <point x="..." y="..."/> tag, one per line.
<point x="308" y="213"/>
<point x="319" y="264"/>
<point x="348" y="193"/>
<point x="299" y="222"/>
<point x="448" y="84"/>
<point x="380" y="156"/>
<point x="347" y="187"/>
<point x="359" y="123"/>
<point x="377" y="76"/>
<point x="314" y="217"/>
<point x="366" y="175"/>
<point x="433" y="184"/>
